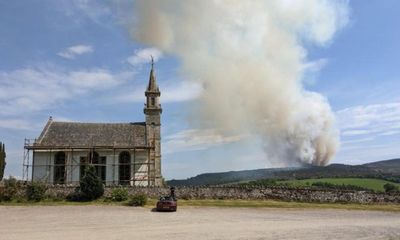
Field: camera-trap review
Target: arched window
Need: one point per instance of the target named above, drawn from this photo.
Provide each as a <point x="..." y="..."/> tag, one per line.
<point x="124" y="168"/>
<point x="59" y="168"/>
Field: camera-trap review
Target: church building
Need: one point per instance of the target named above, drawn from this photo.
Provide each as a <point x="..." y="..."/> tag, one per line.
<point x="122" y="153"/>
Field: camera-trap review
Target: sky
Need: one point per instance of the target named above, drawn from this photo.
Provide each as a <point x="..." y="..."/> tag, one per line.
<point x="75" y="61"/>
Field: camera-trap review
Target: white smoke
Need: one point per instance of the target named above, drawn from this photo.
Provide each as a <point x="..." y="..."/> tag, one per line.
<point x="249" y="56"/>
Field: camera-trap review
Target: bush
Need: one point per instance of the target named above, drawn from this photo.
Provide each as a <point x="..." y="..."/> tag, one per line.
<point x="76" y="196"/>
<point x="10" y="189"/>
<point x="138" y="200"/>
<point x="35" y="191"/>
<point x="91" y="185"/>
<point x="119" y="194"/>
<point x="390" y="187"/>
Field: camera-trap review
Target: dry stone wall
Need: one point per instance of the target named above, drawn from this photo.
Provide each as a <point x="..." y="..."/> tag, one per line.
<point x="270" y="193"/>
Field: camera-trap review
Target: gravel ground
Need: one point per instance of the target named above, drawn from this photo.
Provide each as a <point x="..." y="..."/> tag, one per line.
<point x="118" y="222"/>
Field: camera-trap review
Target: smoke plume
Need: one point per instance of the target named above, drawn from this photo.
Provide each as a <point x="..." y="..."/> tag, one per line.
<point x="249" y="56"/>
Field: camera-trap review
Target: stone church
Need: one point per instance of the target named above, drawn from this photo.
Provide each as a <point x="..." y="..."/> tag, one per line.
<point x="122" y="153"/>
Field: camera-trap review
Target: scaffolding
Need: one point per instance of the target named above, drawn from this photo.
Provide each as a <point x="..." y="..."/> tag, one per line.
<point x="142" y="173"/>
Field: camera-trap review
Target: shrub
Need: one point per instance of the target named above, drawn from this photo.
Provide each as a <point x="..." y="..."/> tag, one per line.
<point x="10" y="189"/>
<point x="119" y="194"/>
<point x="35" y="191"/>
<point x="76" y="196"/>
<point x="390" y="187"/>
<point x="91" y="185"/>
<point x="138" y="200"/>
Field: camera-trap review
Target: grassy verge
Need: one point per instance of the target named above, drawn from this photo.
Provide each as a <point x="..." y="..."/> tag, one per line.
<point x="225" y="203"/>
<point x="282" y="204"/>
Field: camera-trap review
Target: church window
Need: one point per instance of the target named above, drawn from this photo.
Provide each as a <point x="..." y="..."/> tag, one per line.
<point x="59" y="168"/>
<point x="153" y="101"/>
<point x="124" y="168"/>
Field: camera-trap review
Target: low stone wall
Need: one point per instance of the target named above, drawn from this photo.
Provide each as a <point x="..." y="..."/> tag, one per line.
<point x="275" y="193"/>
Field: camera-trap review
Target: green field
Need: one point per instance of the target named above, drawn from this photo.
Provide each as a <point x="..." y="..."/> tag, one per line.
<point x="370" y="183"/>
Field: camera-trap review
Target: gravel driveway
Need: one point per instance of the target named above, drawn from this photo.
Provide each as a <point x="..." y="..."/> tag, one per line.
<point x="118" y="222"/>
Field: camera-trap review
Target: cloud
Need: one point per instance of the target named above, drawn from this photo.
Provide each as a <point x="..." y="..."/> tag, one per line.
<point x="15" y="124"/>
<point x="375" y="120"/>
<point x="98" y="12"/>
<point x="31" y="89"/>
<point x="311" y="70"/>
<point x="196" y="139"/>
<point x="73" y="51"/>
<point x="144" y="55"/>
<point x="368" y="152"/>
<point x="315" y="66"/>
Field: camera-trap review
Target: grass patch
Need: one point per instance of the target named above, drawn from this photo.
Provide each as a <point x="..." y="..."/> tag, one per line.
<point x="281" y="204"/>
<point x="370" y="183"/>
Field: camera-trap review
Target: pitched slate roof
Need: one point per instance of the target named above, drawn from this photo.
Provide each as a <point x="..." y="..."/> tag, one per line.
<point x="76" y="134"/>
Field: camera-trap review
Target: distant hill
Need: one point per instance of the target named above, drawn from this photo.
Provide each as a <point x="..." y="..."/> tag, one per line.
<point x="387" y="166"/>
<point x="388" y="169"/>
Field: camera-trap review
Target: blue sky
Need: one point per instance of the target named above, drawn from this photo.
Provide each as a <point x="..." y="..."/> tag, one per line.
<point x="75" y="61"/>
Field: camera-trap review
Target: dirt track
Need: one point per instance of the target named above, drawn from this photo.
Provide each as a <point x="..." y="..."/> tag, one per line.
<point x="116" y="222"/>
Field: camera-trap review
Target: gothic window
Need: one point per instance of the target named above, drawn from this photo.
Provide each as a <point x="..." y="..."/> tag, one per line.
<point x="59" y="168"/>
<point x="124" y="168"/>
<point x="153" y="101"/>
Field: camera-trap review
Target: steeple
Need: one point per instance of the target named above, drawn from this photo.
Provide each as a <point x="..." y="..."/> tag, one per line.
<point x="152" y="111"/>
<point x="152" y="86"/>
<point x="152" y="93"/>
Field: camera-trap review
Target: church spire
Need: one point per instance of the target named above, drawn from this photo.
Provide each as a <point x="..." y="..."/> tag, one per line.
<point x="152" y="86"/>
<point x="152" y="93"/>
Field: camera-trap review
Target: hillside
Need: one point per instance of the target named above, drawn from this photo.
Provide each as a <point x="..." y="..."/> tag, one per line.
<point x="387" y="166"/>
<point x="388" y="169"/>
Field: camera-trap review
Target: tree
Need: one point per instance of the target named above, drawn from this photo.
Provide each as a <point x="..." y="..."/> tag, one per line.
<point x="91" y="185"/>
<point x="390" y="187"/>
<point x="2" y="159"/>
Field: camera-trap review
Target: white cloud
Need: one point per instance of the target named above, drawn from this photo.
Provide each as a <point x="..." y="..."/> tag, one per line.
<point x="15" y="124"/>
<point x="32" y="89"/>
<point x="144" y="55"/>
<point x="311" y="70"/>
<point x="315" y="66"/>
<point x="196" y="139"/>
<point x="359" y="140"/>
<point x="73" y="51"/>
<point x="79" y="11"/>
<point x="376" y="120"/>
<point x="367" y="153"/>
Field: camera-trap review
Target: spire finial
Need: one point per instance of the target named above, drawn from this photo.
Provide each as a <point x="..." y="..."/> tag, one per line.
<point x="152" y="61"/>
